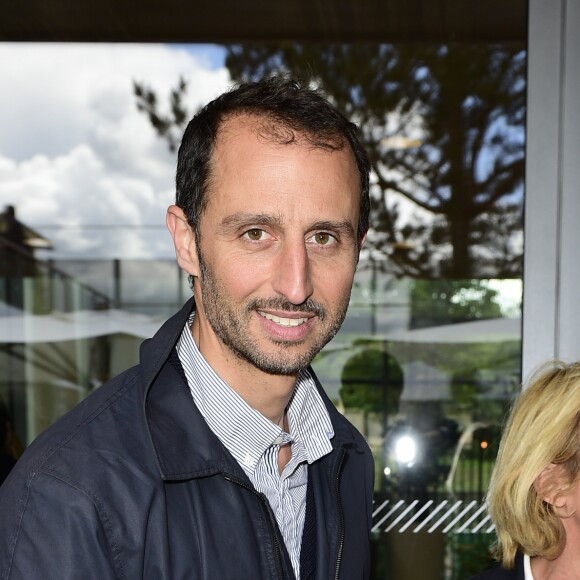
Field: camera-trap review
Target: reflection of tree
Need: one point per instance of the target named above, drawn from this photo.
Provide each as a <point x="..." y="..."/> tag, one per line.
<point x="444" y="125"/>
<point x="485" y="376"/>
<point x="168" y="125"/>
<point x="372" y="381"/>
<point x="437" y="302"/>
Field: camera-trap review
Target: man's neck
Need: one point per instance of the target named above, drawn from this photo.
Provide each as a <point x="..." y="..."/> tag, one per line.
<point x="267" y="393"/>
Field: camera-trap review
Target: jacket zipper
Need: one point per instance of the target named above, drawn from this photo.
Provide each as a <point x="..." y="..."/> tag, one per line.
<point x="340" y="515"/>
<point x="273" y="534"/>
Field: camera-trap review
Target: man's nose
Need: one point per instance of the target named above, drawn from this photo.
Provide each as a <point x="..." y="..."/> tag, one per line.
<point x="293" y="277"/>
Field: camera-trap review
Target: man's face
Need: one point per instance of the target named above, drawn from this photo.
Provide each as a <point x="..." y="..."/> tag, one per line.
<point x="277" y="250"/>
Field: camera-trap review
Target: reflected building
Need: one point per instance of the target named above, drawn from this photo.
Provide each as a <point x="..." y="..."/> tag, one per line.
<point x="67" y="327"/>
<point x="18" y="243"/>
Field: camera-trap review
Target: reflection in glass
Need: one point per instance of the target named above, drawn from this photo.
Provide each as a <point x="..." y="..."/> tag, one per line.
<point x="444" y="126"/>
<point x="429" y="355"/>
<point x="425" y="369"/>
<point x="430" y="351"/>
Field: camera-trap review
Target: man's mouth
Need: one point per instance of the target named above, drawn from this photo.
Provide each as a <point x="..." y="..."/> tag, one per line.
<point x="281" y="320"/>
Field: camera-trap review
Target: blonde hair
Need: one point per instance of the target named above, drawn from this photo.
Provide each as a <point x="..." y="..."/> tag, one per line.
<point x="542" y="428"/>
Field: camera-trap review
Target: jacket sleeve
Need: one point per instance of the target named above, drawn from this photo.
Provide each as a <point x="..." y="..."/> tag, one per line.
<point x="51" y="528"/>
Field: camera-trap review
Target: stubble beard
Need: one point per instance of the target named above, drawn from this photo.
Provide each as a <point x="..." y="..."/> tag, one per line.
<point x="232" y="325"/>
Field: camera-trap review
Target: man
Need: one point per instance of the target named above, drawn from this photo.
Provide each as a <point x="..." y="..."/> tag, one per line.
<point x="219" y="455"/>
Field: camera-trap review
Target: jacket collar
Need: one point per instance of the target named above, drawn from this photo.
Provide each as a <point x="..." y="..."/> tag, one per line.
<point x="184" y="445"/>
<point x="155" y="351"/>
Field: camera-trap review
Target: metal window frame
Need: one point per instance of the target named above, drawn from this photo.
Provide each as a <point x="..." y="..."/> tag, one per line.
<point x="551" y="313"/>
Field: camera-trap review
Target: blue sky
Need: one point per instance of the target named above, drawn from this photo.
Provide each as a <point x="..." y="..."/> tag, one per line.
<point x="213" y="55"/>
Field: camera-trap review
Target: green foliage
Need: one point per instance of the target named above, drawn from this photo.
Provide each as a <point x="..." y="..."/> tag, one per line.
<point x="438" y="302"/>
<point x="470" y="554"/>
<point x="372" y="381"/>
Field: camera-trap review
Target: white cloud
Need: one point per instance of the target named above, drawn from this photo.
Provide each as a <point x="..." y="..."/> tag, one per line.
<point x="76" y="153"/>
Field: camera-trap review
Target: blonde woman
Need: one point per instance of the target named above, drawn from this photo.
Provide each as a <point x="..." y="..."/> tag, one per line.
<point x="534" y="495"/>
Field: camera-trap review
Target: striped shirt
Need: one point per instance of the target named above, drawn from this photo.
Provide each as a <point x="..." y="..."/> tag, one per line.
<point x="254" y="440"/>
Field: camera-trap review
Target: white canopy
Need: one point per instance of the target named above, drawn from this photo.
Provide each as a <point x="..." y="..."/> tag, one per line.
<point x="488" y="330"/>
<point x="20" y="327"/>
<point x="56" y="327"/>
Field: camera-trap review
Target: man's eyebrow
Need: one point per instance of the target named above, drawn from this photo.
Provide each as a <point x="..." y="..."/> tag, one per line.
<point x="343" y="227"/>
<point x="243" y="219"/>
<point x="237" y="220"/>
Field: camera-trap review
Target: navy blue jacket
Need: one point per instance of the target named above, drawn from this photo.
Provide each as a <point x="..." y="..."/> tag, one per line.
<point x="500" y="573"/>
<point x="132" y="484"/>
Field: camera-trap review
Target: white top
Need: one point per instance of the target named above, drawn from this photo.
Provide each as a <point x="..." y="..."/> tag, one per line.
<point x="528" y="568"/>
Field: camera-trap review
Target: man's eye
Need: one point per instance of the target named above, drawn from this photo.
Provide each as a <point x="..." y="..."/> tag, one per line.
<point x="323" y="239"/>
<point x="255" y="234"/>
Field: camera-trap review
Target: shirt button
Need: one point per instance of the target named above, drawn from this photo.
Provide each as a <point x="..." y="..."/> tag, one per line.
<point x="248" y="460"/>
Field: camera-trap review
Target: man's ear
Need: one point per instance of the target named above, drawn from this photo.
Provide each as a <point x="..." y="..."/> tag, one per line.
<point x="362" y="241"/>
<point x="183" y="240"/>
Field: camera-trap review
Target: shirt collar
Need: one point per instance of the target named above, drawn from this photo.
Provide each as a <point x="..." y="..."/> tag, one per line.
<point x="244" y="431"/>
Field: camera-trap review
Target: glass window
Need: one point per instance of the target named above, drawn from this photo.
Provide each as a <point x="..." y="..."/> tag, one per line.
<point x="430" y="353"/>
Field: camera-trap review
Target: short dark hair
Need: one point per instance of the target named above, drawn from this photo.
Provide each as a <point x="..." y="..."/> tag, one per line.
<point x="287" y="104"/>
